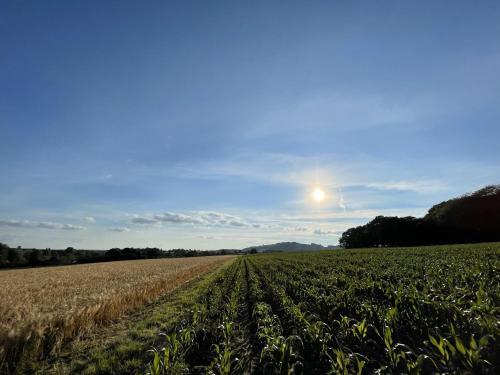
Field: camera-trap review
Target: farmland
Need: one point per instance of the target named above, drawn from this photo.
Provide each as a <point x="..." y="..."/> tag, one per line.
<point x="44" y="307"/>
<point x="360" y="311"/>
<point x="407" y="310"/>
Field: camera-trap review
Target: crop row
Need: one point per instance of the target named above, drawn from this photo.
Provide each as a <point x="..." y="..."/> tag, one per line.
<point x="341" y="312"/>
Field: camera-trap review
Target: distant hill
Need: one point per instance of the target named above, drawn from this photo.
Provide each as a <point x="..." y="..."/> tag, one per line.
<point x="290" y="246"/>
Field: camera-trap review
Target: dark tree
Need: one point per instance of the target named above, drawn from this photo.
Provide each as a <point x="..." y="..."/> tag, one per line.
<point x="4" y="249"/>
<point x="473" y="217"/>
<point x="69" y="250"/>
<point x="13" y="256"/>
<point x="34" y="257"/>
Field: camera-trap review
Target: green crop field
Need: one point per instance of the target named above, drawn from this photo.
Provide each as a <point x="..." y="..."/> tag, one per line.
<point x="408" y="310"/>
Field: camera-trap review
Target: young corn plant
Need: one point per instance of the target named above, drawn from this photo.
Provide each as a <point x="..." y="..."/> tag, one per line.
<point x="360" y="329"/>
<point x="279" y="354"/>
<point x="470" y="355"/>
<point x="221" y="364"/>
<point x="282" y="352"/>
<point x="225" y="359"/>
<point x="346" y="363"/>
<point x="398" y="353"/>
<point x="460" y="354"/>
<point x="169" y="360"/>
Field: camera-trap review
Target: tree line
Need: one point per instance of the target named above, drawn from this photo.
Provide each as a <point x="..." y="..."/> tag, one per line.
<point x="19" y="257"/>
<point x="470" y="218"/>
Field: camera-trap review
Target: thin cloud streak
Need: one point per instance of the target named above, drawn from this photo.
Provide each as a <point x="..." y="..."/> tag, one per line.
<point x="323" y="232"/>
<point x="287" y="169"/>
<point x="42" y="224"/>
<point x="119" y="229"/>
<point x="203" y="218"/>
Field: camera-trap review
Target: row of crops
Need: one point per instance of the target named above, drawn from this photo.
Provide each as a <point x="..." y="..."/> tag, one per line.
<point x="414" y="310"/>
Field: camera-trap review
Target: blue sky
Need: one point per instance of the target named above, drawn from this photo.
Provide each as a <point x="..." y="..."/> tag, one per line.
<point x="207" y="124"/>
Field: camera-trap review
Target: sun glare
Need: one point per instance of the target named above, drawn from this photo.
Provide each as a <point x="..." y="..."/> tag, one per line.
<point x="318" y="195"/>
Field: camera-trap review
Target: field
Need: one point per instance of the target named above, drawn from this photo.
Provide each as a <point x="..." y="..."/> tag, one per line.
<point x="408" y="310"/>
<point x="42" y="308"/>
<point x="384" y="310"/>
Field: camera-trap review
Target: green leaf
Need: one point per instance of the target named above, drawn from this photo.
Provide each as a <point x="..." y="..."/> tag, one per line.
<point x="460" y="346"/>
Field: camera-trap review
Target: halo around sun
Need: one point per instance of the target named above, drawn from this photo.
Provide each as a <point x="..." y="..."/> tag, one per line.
<point x="318" y="195"/>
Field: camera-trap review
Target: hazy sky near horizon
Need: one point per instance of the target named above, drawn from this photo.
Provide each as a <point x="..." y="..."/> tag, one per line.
<point x="206" y="124"/>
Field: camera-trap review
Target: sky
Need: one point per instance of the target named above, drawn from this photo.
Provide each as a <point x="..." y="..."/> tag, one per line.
<point x="207" y="125"/>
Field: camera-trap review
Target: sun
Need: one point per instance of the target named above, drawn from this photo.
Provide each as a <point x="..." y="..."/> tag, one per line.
<point x="318" y="195"/>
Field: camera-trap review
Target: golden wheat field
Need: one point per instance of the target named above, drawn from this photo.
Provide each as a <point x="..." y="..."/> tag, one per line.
<point x="42" y="307"/>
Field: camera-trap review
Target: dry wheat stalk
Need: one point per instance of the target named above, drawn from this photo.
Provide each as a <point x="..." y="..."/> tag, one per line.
<point x="42" y="307"/>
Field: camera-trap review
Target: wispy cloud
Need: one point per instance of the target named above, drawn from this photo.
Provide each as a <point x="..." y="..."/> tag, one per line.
<point x="326" y="232"/>
<point x="275" y="168"/>
<point x="119" y="229"/>
<point x="178" y="218"/>
<point x="419" y="186"/>
<point x="300" y="229"/>
<point x="334" y="110"/>
<point x="205" y="218"/>
<point x="325" y="169"/>
<point x="143" y="220"/>
<point x="348" y="216"/>
<point x="89" y="219"/>
<point x="206" y="237"/>
<point x="341" y="200"/>
<point x="39" y="224"/>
